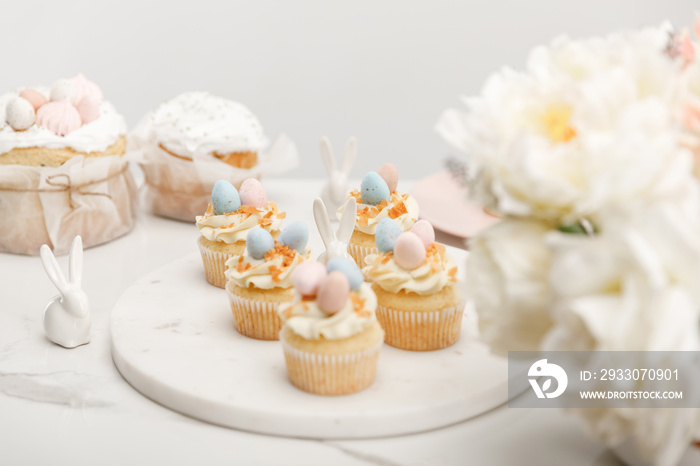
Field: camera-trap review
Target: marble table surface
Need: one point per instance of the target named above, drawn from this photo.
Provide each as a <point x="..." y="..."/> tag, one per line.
<point x="72" y="407"/>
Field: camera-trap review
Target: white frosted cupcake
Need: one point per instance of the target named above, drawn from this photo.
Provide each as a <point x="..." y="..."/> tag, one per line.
<point x="415" y="280"/>
<point x="188" y="138"/>
<point x="376" y="200"/>
<point x="331" y="338"/>
<point x="261" y="279"/>
<point x="229" y="218"/>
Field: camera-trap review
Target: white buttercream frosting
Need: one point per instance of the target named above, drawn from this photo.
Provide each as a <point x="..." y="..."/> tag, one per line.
<point x="233" y="227"/>
<point x="402" y="208"/>
<point x="436" y="272"/>
<point x="307" y="320"/>
<point x="200" y="124"/>
<point x="273" y="271"/>
<point x="95" y="136"/>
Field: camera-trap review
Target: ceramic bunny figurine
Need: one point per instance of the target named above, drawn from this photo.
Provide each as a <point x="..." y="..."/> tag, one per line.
<point x="67" y="316"/>
<point x="333" y="194"/>
<point x="336" y="243"/>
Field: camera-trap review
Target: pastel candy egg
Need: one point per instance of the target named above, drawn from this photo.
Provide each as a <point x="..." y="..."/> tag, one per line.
<point x="259" y="242"/>
<point x="63" y="89"/>
<point x="296" y="235"/>
<point x="333" y="292"/>
<point x="425" y="231"/>
<point x="307" y="277"/>
<point x="374" y="189"/>
<point x="85" y="88"/>
<point x="348" y="268"/>
<point x="224" y="198"/>
<point x="60" y="117"/>
<point x="19" y="114"/>
<point x="387" y="233"/>
<point x="252" y="193"/>
<point x="37" y="99"/>
<point x="390" y="175"/>
<point x="89" y="109"/>
<point x="409" y="252"/>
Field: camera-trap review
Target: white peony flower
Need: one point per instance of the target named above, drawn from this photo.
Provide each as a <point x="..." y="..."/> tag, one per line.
<point x="636" y="286"/>
<point x="588" y="127"/>
<point x="507" y="278"/>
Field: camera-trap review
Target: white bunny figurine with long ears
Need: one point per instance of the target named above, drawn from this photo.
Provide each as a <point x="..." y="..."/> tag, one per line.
<point x="333" y="194"/>
<point x="336" y="243"/>
<point x="67" y="316"/>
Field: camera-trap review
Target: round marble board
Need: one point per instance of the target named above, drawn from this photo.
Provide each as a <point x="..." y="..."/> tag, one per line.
<point x="173" y="340"/>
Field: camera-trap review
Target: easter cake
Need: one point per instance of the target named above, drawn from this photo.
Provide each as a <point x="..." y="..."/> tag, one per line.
<point x="378" y="199"/>
<point x="228" y="220"/>
<point x="261" y="279"/>
<point x="62" y="170"/>
<point x="331" y="338"/>
<point x="185" y="134"/>
<point x="420" y="306"/>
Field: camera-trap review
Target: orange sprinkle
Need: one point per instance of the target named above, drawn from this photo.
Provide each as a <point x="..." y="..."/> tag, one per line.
<point x="452" y="273"/>
<point x="386" y="258"/>
<point x="398" y="210"/>
<point x="210" y="209"/>
<point x="358" y="305"/>
<point x="287" y="313"/>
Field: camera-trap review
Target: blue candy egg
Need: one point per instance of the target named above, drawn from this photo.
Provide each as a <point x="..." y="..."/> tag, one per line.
<point x="348" y="268"/>
<point x="259" y="242"/>
<point x="296" y="235"/>
<point x="385" y="236"/>
<point x="225" y="198"/>
<point x="374" y="189"/>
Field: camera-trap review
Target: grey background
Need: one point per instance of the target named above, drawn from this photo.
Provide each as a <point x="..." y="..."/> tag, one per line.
<point x="380" y="70"/>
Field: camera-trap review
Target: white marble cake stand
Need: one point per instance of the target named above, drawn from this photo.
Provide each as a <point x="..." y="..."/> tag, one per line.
<point x="173" y="340"/>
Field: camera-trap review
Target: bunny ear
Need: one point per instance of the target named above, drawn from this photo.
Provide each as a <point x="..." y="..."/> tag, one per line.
<point x="350" y="154"/>
<point x="323" y="223"/>
<point x="75" y="264"/>
<point x="50" y="264"/>
<point x="347" y="221"/>
<point x="327" y="154"/>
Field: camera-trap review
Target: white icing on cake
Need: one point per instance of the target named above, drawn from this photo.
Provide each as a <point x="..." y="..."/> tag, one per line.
<point x="199" y="124"/>
<point x="95" y="136"/>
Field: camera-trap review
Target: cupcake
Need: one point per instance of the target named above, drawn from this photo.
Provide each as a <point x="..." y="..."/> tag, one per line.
<point x="331" y="338"/>
<point x="420" y="306"/>
<point x="62" y="172"/>
<point x="261" y="279"/>
<point x="376" y="200"/>
<point x="229" y="218"/>
<point x="187" y="140"/>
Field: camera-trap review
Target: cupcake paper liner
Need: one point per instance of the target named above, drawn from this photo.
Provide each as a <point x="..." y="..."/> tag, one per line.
<point x="360" y="252"/>
<point x="255" y="319"/>
<point x="331" y="374"/>
<point x="214" y="265"/>
<point x="421" y="331"/>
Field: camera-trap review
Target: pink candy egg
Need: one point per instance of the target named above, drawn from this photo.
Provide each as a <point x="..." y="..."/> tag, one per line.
<point x="389" y="173"/>
<point x="425" y="231"/>
<point x="60" y="117"/>
<point x="252" y="193"/>
<point x="86" y="88"/>
<point x="89" y="109"/>
<point x="409" y="251"/>
<point x="37" y="99"/>
<point x="333" y="293"/>
<point x="307" y="277"/>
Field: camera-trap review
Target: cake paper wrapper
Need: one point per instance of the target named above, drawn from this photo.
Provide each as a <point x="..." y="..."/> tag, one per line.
<point x="330" y="374"/>
<point x="254" y="319"/>
<point x="214" y="265"/>
<point x="421" y="330"/>
<point x="181" y="189"/>
<point x="93" y="197"/>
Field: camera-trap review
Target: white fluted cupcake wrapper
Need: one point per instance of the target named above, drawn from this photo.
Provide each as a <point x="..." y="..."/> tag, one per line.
<point x="214" y="265"/>
<point x="331" y="374"/>
<point x="255" y="319"/>
<point x="421" y="330"/>
<point x="360" y="252"/>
